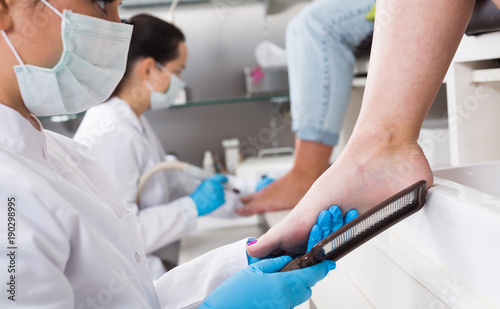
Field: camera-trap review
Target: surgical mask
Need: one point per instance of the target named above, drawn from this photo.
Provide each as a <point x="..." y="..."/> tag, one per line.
<point x="92" y="64"/>
<point x="162" y="100"/>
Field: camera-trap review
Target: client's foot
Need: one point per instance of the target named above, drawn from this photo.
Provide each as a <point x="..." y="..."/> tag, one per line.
<point x="368" y="172"/>
<point x="284" y="193"/>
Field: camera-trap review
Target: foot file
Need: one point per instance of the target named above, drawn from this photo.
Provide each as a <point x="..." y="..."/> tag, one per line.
<point x="364" y="227"/>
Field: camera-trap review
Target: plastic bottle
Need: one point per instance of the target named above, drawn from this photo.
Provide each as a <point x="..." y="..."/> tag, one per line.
<point x="208" y="162"/>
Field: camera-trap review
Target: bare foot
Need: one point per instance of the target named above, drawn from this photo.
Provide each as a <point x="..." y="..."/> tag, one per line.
<point x="311" y="160"/>
<point x="369" y="171"/>
<point x="284" y="193"/>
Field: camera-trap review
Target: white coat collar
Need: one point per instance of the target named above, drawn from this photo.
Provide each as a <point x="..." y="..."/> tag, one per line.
<point x="17" y="134"/>
<point x="127" y="113"/>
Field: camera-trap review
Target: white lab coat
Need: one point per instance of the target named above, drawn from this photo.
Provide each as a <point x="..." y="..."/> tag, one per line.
<point x="127" y="147"/>
<point x="76" y="245"/>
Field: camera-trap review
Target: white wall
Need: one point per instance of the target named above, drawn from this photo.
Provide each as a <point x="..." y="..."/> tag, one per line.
<point x="221" y="37"/>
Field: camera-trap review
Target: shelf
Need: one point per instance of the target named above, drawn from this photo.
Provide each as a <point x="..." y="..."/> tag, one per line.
<point x="359" y="82"/>
<point x="486" y="75"/>
<point x="149" y="3"/>
<point x="273" y="98"/>
<point x="62" y="118"/>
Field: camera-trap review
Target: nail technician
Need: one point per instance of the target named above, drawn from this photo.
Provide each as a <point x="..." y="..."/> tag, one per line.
<point x="72" y="242"/>
<point x="123" y="140"/>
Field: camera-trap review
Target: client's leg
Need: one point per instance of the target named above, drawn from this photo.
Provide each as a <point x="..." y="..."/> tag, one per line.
<point x="311" y="160"/>
<point x="414" y="43"/>
<point x="320" y="44"/>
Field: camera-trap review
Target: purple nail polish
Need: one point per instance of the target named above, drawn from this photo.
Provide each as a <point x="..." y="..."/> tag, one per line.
<point x="251" y="243"/>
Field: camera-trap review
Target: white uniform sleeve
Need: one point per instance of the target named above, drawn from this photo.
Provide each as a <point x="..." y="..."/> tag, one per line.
<point x="165" y="224"/>
<point x="187" y="285"/>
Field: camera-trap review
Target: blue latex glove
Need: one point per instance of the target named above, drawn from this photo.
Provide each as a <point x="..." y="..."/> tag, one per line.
<point x="262" y="286"/>
<point x="263" y="183"/>
<point x="328" y="222"/>
<point x="210" y="194"/>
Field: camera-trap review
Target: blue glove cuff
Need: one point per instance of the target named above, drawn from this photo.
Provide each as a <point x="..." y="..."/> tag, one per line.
<point x="264" y="182"/>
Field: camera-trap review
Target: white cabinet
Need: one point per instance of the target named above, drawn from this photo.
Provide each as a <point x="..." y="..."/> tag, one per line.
<point x="473" y="90"/>
<point x="472" y="87"/>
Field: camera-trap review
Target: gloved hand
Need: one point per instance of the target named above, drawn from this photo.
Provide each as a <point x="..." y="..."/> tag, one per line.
<point x="262" y="286"/>
<point x="210" y="194"/>
<point x="261" y="184"/>
<point x="328" y="222"/>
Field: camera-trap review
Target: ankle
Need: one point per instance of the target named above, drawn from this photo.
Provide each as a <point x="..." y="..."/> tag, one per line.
<point x="389" y="151"/>
<point x="381" y="140"/>
<point x="394" y="132"/>
<point x="311" y="158"/>
<point x="307" y="173"/>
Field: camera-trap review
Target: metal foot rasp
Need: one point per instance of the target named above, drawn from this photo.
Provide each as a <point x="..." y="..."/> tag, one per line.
<point x="364" y="227"/>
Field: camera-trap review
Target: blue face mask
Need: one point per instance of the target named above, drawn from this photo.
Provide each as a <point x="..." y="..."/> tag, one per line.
<point x="92" y="64"/>
<point x="162" y="100"/>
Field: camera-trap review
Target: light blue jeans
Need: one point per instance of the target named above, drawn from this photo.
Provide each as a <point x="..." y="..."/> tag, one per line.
<point x="320" y="43"/>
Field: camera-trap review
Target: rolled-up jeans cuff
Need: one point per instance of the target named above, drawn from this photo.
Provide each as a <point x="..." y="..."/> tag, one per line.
<point x="315" y="135"/>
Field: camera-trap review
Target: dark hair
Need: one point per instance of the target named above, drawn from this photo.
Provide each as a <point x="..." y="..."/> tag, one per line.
<point x="151" y="37"/>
